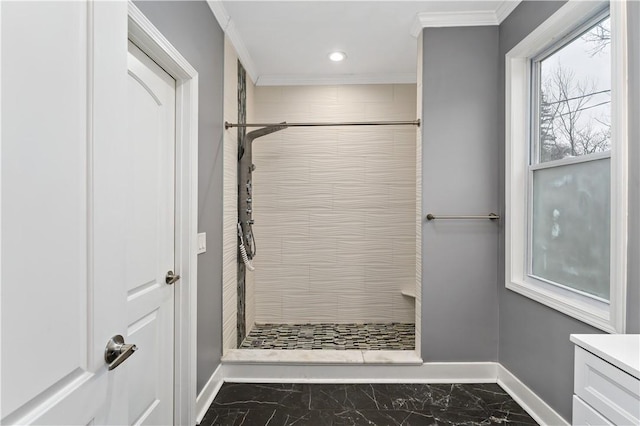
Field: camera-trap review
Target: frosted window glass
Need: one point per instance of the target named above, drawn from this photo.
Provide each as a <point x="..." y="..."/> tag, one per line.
<point x="571" y="226"/>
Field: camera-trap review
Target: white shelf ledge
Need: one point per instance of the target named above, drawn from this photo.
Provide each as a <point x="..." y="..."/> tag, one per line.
<point x="409" y="293"/>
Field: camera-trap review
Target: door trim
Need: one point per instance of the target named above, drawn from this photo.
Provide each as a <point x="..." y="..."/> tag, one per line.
<point x="147" y="37"/>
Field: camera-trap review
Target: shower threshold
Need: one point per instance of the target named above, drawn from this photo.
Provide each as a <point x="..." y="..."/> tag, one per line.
<point x="320" y="357"/>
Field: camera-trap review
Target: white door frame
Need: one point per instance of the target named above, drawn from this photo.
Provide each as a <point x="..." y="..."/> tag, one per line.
<point x="147" y="37"/>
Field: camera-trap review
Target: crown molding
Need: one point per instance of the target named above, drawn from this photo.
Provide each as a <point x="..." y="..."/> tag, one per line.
<point x="463" y="19"/>
<point x="221" y="14"/>
<point x="452" y="19"/>
<point x="505" y="8"/>
<point x="306" y="80"/>
<point x="229" y="28"/>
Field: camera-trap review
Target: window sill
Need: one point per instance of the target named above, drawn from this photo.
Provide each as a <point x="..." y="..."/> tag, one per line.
<point x="589" y="311"/>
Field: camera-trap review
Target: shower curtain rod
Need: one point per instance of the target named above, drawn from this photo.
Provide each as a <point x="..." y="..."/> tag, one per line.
<point x="228" y="125"/>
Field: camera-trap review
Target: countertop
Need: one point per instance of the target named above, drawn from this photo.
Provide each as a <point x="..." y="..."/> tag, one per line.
<point x="621" y="350"/>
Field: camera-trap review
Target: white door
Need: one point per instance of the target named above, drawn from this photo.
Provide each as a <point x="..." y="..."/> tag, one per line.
<point x="150" y="238"/>
<point x="86" y="214"/>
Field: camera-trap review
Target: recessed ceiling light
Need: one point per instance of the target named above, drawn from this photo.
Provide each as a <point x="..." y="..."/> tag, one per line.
<point x="337" y="56"/>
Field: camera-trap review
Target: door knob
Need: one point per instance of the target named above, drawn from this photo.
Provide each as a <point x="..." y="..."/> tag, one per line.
<point x="171" y="277"/>
<point x="117" y="352"/>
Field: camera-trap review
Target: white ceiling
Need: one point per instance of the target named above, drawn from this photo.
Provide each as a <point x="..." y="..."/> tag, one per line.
<point x="287" y="42"/>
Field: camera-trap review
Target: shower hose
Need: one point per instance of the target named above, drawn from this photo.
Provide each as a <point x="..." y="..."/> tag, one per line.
<point x="243" y="251"/>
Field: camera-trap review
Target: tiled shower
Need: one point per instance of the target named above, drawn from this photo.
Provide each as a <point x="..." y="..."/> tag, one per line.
<point x="334" y="207"/>
<point x="335" y="221"/>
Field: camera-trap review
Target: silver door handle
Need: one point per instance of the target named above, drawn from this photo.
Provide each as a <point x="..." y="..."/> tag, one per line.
<point x="171" y="277"/>
<point x="117" y="351"/>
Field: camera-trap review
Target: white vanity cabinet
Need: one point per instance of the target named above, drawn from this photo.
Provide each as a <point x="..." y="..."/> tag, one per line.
<point x="607" y="379"/>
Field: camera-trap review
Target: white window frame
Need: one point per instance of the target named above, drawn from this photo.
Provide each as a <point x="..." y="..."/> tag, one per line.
<point x="609" y="316"/>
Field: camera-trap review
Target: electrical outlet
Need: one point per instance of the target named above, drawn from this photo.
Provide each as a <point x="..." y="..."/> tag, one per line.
<point x="202" y="242"/>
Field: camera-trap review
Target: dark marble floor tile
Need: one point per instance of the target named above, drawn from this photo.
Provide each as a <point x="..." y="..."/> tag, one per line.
<point x="411" y="396"/>
<point x="348" y="396"/>
<point x="382" y="418"/>
<point x="364" y="404"/>
<point x="461" y="416"/>
<point x="265" y="416"/>
<point x="260" y="395"/>
<point x="516" y="418"/>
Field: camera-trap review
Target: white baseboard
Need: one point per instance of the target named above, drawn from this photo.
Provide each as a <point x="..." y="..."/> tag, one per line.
<point x="527" y="399"/>
<point x="430" y="372"/>
<point x="208" y="393"/>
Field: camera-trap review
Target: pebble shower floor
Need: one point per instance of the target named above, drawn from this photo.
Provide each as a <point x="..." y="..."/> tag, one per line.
<point x="370" y="336"/>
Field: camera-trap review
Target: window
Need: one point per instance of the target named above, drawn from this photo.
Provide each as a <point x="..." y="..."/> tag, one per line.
<point x="566" y="164"/>
<point x="569" y="179"/>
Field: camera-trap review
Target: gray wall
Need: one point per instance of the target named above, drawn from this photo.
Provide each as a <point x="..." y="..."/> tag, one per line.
<point x="460" y="176"/>
<point x="534" y="339"/>
<point x="633" y="272"/>
<point x="191" y="27"/>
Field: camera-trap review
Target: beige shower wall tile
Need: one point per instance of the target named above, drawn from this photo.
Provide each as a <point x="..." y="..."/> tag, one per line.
<point x="269" y="310"/>
<point x="229" y="255"/>
<point x="341" y="278"/>
<point x="380" y="170"/>
<point x="401" y="190"/>
<point x="404" y="94"/>
<point x="316" y="153"/>
<point x="268" y="253"/>
<point x="229" y="334"/>
<point x="312" y="306"/>
<point x="365" y="307"/>
<point x="265" y="200"/>
<point x="333" y="224"/>
<point x="378" y="252"/>
<point x="280" y="279"/>
<point x="229" y="199"/>
<point x="386" y="225"/>
<point x="275" y="112"/>
<point x="321" y="251"/>
<point x="338" y="112"/>
<point x="365" y="93"/>
<point x="419" y="213"/>
<point x="271" y="224"/>
<point x="404" y="250"/>
<point x="405" y="177"/>
<point x="418" y="322"/>
<point x="300" y="95"/>
<point x="229" y="322"/>
<point x="404" y="148"/>
<point x="386" y="278"/>
<point x="353" y="251"/>
<point x="380" y="111"/>
<point x="273" y="93"/>
<point x="403" y="308"/>
<point x="368" y="141"/>
<point x="310" y="135"/>
<point x="360" y="197"/>
<point x="338" y="171"/>
<point x="250" y="300"/>
<point x="311" y="197"/>
<point x="407" y="135"/>
<point x="336" y="201"/>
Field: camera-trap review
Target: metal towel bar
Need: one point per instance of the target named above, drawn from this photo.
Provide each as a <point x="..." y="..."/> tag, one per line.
<point x="228" y="125"/>
<point x="490" y="216"/>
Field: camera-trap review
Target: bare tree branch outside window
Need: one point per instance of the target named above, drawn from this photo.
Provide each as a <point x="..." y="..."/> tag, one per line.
<point x="574" y="117"/>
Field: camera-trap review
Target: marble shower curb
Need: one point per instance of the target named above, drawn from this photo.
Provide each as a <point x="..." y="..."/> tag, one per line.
<point x="320" y="357"/>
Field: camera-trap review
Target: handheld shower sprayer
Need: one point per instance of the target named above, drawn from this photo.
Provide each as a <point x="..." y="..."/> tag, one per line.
<point x="243" y="251"/>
